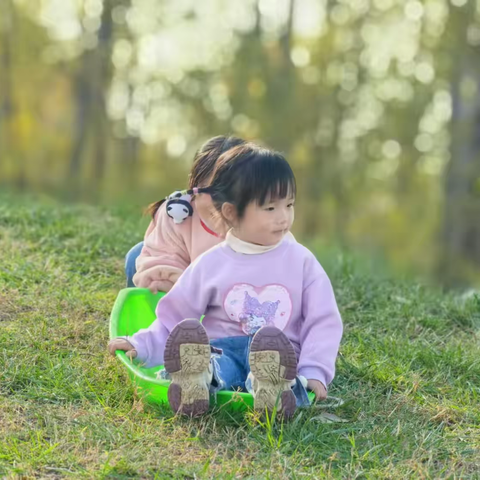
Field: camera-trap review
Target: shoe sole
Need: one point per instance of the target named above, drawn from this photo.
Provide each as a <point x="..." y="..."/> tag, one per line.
<point x="273" y="364"/>
<point x="186" y="358"/>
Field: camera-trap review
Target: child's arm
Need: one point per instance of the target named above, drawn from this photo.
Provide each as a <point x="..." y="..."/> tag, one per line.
<point x="164" y="256"/>
<point x="322" y="327"/>
<point x="188" y="299"/>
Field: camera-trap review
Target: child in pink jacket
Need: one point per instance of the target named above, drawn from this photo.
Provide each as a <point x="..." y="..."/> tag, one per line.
<point x="169" y="248"/>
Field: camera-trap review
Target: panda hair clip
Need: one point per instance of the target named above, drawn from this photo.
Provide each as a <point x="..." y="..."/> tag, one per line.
<point x="178" y="205"/>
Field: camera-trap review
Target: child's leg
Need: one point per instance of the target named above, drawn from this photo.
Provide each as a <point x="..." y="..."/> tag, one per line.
<point x="130" y="258"/>
<point x="229" y="366"/>
<point x="187" y="360"/>
<point x="299" y="389"/>
<point x="273" y="366"/>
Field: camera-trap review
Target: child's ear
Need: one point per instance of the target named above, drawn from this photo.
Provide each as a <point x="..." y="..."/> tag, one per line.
<point x="229" y="212"/>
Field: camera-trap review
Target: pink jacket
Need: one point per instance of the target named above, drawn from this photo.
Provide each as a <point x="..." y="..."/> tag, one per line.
<point x="169" y="249"/>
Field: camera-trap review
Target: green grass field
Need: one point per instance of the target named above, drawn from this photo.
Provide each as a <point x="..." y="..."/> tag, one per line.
<point x="409" y="372"/>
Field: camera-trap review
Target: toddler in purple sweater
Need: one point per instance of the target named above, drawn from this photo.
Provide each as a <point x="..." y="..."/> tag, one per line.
<point x="271" y="323"/>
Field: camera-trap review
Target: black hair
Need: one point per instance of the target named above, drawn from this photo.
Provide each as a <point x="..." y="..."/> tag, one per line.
<point x="206" y="157"/>
<point x="203" y="164"/>
<point x="249" y="173"/>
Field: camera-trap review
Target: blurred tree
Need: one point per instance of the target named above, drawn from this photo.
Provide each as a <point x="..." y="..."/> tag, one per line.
<point x="6" y="94"/>
<point x="357" y="94"/>
<point x="461" y="221"/>
<point x="92" y="81"/>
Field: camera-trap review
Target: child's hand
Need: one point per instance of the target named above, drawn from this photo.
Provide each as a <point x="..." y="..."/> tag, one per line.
<point x="318" y="388"/>
<point x="153" y="288"/>
<point x="122" y="344"/>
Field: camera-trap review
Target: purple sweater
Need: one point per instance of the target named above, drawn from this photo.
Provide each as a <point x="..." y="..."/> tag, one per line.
<point x="238" y="293"/>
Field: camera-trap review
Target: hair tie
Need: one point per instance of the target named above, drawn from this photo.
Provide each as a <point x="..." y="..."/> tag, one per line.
<point x="178" y="205"/>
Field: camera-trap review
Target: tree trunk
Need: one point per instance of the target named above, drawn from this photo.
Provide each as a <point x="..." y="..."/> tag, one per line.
<point x="131" y="166"/>
<point x="83" y="102"/>
<point x="91" y="84"/>
<point x="6" y="95"/>
<point x="100" y="86"/>
<point x="281" y="88"/>
<point x="461" y="229"/>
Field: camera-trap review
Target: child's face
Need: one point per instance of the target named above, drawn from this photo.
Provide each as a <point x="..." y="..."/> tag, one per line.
<point x="266" y="224"/>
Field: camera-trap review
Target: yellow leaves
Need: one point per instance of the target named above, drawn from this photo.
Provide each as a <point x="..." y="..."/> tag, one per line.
<point x="256" y="88"/>
<point x="23" y="128"/>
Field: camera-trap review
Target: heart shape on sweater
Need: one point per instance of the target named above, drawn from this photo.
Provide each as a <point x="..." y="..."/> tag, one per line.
<point x="255" y="307"/>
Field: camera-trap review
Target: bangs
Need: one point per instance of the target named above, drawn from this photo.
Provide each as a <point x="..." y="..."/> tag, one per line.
<point x="266" y="177"/>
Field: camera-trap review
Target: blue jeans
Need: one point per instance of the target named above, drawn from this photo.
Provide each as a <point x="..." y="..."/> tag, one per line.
<point x="231" y="368"/>
<point x="130" y="258"/>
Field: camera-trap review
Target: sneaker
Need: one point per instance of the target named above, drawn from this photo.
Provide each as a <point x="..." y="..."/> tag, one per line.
<point x="273" y="365"/>
<point x="187" y="360"/>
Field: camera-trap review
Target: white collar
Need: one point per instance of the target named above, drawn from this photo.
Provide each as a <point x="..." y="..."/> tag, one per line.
<point x="240" y="246"/>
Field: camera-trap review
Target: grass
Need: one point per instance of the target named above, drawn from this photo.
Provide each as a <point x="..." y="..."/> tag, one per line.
<point x="409" y="372"/>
